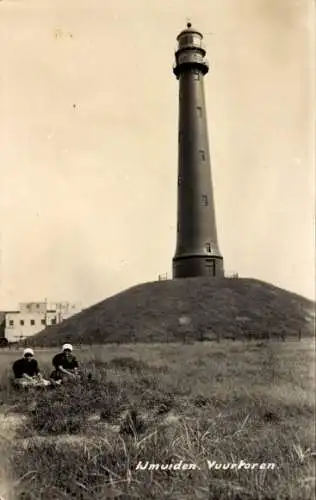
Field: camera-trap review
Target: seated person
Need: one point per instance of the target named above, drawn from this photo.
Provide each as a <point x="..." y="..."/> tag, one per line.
<point x="66" y="365"/>
<point x="26" y="371"/>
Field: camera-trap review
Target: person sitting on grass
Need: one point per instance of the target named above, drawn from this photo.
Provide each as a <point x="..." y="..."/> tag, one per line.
<point x="65" y="364"/>
<point x="26" y="371"/>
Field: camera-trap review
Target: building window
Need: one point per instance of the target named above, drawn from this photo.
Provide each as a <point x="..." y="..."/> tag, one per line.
<point x="208" y="247"/>
<point x="22" y="322"/>
<point x="204" y="199"/>
<point x="11" y="322"/>
<point x="53" y="321"/>
<point x="43" y="321"/>
<point x="202" y="155"/>
<point x="37" y="306"/>
<point x="199" y="111"/>
<point x="32" y="322"/>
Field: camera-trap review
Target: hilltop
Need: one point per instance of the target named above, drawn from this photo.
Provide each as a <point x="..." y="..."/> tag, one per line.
<point x="190" y="309"/>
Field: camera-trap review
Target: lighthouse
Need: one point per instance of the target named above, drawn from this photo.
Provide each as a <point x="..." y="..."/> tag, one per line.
<point x="197" y="251"/>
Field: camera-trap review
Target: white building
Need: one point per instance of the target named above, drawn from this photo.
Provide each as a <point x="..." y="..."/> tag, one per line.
<point x="32" y="317"/>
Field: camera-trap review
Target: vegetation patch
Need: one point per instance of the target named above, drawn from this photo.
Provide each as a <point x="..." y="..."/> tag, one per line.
<point x="97" y="439"/>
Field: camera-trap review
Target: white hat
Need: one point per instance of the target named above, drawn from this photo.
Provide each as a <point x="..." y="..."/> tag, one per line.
<point x="67" y="346"/>
<point x="28" y="350"/>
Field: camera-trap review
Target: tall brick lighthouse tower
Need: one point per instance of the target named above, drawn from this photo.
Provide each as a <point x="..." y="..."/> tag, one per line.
<point x="197" y="252"/>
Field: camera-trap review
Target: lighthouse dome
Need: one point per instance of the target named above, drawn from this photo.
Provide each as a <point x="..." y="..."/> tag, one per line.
<point x="189" y="30"/>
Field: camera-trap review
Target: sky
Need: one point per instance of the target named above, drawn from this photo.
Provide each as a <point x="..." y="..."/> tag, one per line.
<point x="88" y="142"/>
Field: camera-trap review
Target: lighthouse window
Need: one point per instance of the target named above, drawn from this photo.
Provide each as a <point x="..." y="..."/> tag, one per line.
<point x="196" y="75"/>
<point x="204" y="200"/>
<point x="208" y="247"/>
<point x="187" y="40"/>
<point x="199" y="110"/>
<point x="202" y="155"/>
<point x="178" y="227"/>
<point x="179" y="180"/>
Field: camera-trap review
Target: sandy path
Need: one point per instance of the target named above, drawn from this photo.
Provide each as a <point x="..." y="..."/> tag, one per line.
<point x="9" y="424"/>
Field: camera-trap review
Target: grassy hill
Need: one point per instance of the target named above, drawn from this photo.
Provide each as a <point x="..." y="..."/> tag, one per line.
<point x="189" y="309"/>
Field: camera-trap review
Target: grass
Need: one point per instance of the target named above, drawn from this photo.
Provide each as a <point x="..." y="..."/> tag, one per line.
<point x="190" y="310"/>
<point x="162" y="403"/>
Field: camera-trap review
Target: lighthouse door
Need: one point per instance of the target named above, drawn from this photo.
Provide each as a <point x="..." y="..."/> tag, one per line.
<point x="210" y="266"/>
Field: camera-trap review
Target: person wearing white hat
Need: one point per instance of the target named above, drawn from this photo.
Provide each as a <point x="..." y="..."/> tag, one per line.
<point x="26" y="371"/>
<point x="65" y="364"/>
